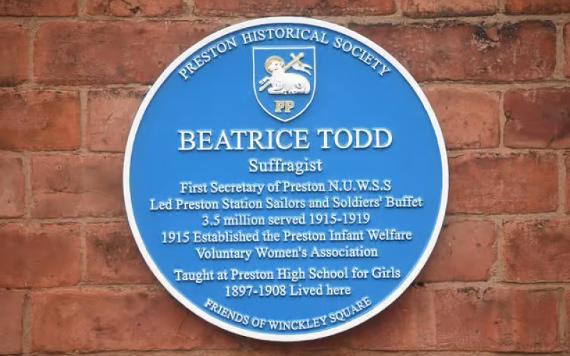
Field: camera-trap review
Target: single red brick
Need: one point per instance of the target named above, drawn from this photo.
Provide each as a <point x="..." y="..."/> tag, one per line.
<point x="567" y="49"/>
<point x="112" y="255"/>
<point x="110" y="115"/>
<point x="11" y="312"/>
<point x="444" y="8"/>
<point x="357" y="7"/>
<point x="537" y="6"/>
<point x="469" y="118"/>
<point x="77" y="185"/>
<point x="512" y="183"/>
<point x="465" y="251"/>
<point x="39" y="120"/>
<point x="14" y="54"/>
<point x="294" y="7"/>
<point x="90" y="320"/>
<point x="135" y="7"/>
<point x="408" y="324"/>
<point x="537" y="118"/>
<point x="458" y="51"/>
<point x="497" y="319"/>
<point x="38" y="7"/>
<point x="39" y="255"/>
<point x="110" y="52"/>
<point x="321" y="346"/>
<point x="12" y="182"/>
<point x="537" y="250"/>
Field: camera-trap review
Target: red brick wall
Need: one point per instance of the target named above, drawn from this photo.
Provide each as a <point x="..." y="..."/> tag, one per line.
<point x="72" y="73"/>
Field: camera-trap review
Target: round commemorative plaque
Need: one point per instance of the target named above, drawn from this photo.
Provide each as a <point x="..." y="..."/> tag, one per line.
<point x="285" y="179"/>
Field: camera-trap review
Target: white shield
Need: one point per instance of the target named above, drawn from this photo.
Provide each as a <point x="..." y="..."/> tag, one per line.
<point x="284" y="79"/>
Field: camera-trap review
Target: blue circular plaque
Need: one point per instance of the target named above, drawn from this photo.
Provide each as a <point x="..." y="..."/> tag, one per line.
<point x="285" y="179"/>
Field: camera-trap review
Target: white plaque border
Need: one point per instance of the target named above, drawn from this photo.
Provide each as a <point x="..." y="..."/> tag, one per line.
<point x="264" y="335"/>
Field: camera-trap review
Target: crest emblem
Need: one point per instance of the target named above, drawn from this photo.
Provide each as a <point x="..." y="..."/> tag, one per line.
<point x="284" y="80"/>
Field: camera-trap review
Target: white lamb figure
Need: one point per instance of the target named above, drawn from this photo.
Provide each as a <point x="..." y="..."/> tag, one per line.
<point x="283" y="82"/>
